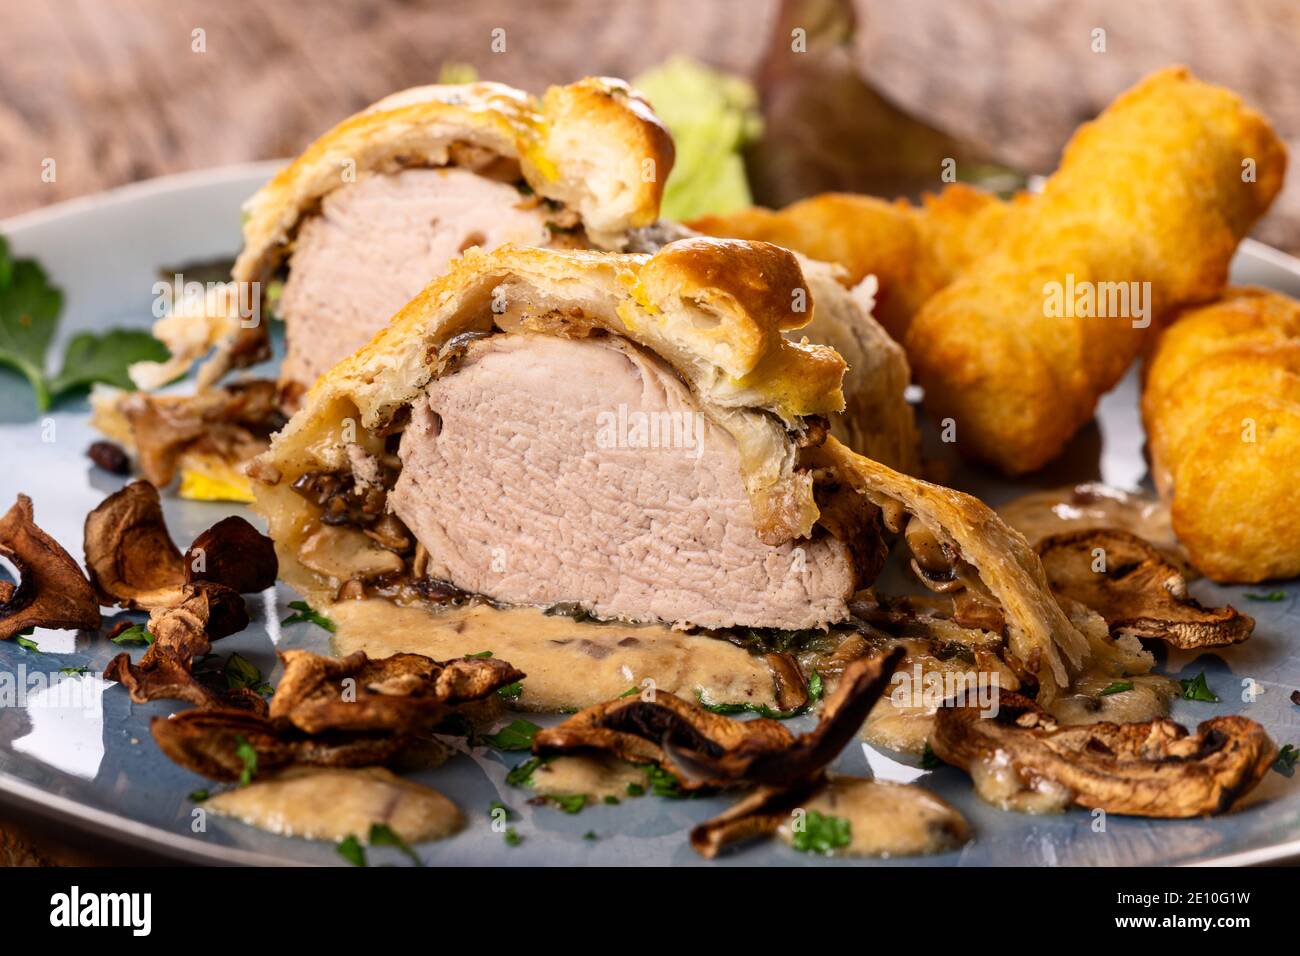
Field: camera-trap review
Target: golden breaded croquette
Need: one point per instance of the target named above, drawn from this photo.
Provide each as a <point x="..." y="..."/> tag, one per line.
<point x="912" y="251"/>
<point x="1142" y="218"/>
<point x="1222" y="411"/>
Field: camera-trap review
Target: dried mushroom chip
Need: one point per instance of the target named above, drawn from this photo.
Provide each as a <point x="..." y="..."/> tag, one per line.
<point x="207" y="612"/>
<point x="759" y="814"/>
<point x="129" y="554"/>
<point x="404" y="692"/>
<point x="704" y="749"/>
<point x="234" y="553"/>
<point x="1136" y="589"/>
<point x="227" y="744"/>
<point x="1022" y="759"/>
<point x="51" y="590"/>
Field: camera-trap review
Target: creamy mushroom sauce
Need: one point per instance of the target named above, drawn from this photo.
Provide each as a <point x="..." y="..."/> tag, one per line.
<point x="1091" y="505"/>
<point x="997" y="782"/>
<point x="332" y="803"/>
<point x="1148" y="700"/>
<point x="887" y="819"/>
<point x="570" y="664"/>
<point x="596" y="776"/>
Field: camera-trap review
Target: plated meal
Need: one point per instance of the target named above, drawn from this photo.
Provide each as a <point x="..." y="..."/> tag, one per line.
<point x="643" y="508"/>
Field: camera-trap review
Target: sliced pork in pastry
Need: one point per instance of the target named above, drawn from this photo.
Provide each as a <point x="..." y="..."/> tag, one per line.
<point x="620" y="434"/>
<point x="380" y="204"/>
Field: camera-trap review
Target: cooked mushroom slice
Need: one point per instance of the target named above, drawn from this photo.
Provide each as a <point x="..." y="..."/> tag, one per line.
<point x="207" y="613"/>
<point x="51" y="590"/>
<point x="1022" y="757"/>
<point x="759" y="814"/>
<point x="234" y="553"/>
<point x="129" y="554"/>
<point x="703" y="749"/>
<point x="1131" y="584"/>
<point x="404" y="692"/>
<point x="228" y="744"/>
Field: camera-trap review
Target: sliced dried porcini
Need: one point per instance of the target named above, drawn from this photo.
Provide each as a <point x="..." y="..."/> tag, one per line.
<point x="1137" y="590"/>
<point x="207" y="612"/>
<point x="234" y="553"/>
<point x="129" y="554"/>
<point x="1153" y="769"/>
<point x="704" y="749"/>
<point x="51" y="591"/>
<point x="404" y="692"/>
<point x="233" y="422"/>
<point x="1004" y="564"/>
<point x="225" y="744"/>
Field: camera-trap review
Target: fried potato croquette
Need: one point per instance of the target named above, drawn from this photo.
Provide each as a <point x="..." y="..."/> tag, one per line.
<point x="1141" y="219"/>
<point x="912" y="251"/>
<point x="1222" y="412"/>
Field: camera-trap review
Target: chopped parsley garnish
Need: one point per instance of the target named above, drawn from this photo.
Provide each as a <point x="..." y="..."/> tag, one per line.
<point x="568" y="802"/>
<point x="307" y="615"/>
<point x="241" y="673"/>
<point x="1116" y="688"/>
<point x="506" y="812"/>
<point x="517" y="735"/>
<point x="26" y="643"/>
<point x="198" y="796"/>
<point x="512" y="837"/>
<point x="612" y="800"/>
<point x="74" y="671"/>
<point x="629" y="692"/>
<point x="1196" y="689"/>
<point x="822" y="834"/>
<point x="590" y="835"/>
<point x="245" y="752"/>
<point x="663" y="783"/>
<point x="1270" y="596"/>
<point x="815" y="690"/>
<point x="512" y="691"/>
<point x="635" y="790"/>
<point x="381" y="834"/>
<point x="135" y="634"/>
<point x="350" y="849"/>
<point x="1286" y="760"/>
<point x="522" y="775"/>
<point x="480" y="654"/>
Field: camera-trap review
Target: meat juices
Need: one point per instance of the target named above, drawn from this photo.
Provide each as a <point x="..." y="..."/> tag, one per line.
<point x="378" y="242"/>
<point x="524" y="485"/>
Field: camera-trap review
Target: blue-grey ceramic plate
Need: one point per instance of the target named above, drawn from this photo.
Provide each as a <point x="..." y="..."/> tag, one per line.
<point x="75" y="748"/>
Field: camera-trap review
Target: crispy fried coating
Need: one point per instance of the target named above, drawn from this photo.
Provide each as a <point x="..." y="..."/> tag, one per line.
<point x="1159" y="189"/>
<point x="912" y="251"/>
<point x="1222" y="412"/>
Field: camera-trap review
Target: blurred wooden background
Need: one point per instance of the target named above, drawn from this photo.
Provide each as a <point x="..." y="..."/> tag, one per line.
<point x="114" y="90"/>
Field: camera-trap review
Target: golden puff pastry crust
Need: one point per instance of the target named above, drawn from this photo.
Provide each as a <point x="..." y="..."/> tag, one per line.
<point x="713" y="309"/>
<point x="594" y="146"/>
<point x="1221" y="405"/>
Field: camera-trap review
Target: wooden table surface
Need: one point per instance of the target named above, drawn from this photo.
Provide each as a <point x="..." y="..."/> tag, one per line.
<point x="114" y="91"/>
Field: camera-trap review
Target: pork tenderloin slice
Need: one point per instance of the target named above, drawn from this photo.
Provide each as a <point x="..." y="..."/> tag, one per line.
<point x="376" y="243"/>
<point x="525" y="476"/>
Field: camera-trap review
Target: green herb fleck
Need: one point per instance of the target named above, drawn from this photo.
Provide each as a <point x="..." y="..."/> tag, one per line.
<point x="1270" y="596"/>
<point x="242" y="673"/>
<point x="929" y="759"/>
<point x="245" y="752"/>
<point x="1116" y="688"/>
<point x="381" y="834"/>
<point x="511" y="691"/>
<point x="307" y="615"/>
<point x="629" y="692"/>
<point x="74" y="671"/>
<point x="612" y="800"/>
<point x="590" y="835"/>
<point x="822" y="833"/>
<point x="517" y="735"/>
<point x="1286" y="760"/>
<point x="198" y="796"/>
<point x="480" y="654"/>
<point x="512" y="837"/>
<point x="568" y="802"/>
<point x="815" y="690"/>
<point x="26" y="643"/>
<point x="1196" y="689"/>
<point x="522" y="775"/>
<point x="635" y="790"/>
<point x="350" y="849"/>
<point x="135" y="634"/>
<point x="507" y="813"/>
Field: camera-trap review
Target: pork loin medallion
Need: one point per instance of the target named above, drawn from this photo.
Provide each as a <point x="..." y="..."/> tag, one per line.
<point x="379" y="205"/>
<point x="618" y="436"/>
